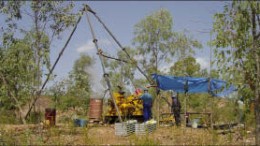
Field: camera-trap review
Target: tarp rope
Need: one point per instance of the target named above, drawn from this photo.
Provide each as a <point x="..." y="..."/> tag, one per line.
<point x="106" y="56"/>
<point x="38" y="93"/>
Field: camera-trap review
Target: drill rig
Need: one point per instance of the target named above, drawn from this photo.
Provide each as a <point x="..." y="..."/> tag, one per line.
<point x="130" y="107"/>
<point x="119" y="106"/>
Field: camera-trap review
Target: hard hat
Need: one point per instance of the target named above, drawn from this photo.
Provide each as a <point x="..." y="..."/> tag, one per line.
<point x="174" y="94"/>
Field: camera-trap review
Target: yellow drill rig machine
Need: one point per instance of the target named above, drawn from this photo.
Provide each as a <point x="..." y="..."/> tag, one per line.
<point x="130" y="107"/>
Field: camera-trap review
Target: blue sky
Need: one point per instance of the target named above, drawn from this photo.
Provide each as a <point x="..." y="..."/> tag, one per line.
<point x="196" y="17"/>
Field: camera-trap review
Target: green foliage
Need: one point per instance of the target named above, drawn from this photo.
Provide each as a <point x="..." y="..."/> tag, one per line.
<point x="199" y="102"/>
<point x="156" y="42"/>
<point x="185" y="45"/>
<point x="74" y="91"/>
<point x="8" y="117"/>
<point x="35" y="117"/>
<point x="233" y="41"/>
<point x="237" y="41"/>
<point x="214" y="74"/>
<point x="121" y="73"/>
<point x="25" y="47"/>
<point x="80" y="88"/>
<point x="15" y="73"/>
<point x="186" y="67"/>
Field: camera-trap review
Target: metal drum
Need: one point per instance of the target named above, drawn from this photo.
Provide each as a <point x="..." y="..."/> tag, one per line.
<point x="50" y="116"/>
<point x="95" y="109"/>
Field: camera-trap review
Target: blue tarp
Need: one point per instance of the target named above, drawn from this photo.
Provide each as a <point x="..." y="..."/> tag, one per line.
<point x="192" y="85"/>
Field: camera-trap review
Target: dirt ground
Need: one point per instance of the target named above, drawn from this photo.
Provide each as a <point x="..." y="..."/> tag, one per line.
<point x="67" y="134"/>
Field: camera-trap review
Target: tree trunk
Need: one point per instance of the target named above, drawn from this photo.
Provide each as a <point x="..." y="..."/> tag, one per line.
<point x="257" y="101"/>
<point x="257" y="77"/>
<point x="257" y="118"/>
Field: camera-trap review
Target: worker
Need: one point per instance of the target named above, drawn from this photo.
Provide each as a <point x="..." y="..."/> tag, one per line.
<point x="176" y="108"/>
<point x="240" y="106"/>
<point x="147" y="105"/>
<point x="120" y="90"/>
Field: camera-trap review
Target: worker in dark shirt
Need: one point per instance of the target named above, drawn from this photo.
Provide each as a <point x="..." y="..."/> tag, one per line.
<point x="176" y="108"/>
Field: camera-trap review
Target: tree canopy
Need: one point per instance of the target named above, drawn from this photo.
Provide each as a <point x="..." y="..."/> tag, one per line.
<point x="186" y="67"/>
<point x="157" y="43"/>
<point x="26" y="37"/>
<point x="237" y="41"/>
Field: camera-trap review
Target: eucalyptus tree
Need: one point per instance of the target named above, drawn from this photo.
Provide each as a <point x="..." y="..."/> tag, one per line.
<point x="80" y="87"/>
<point x="39" y="24"/>
<point x="75" y="90"/>
<point x="122" y="70"/>
<point x="156" y="42"/>
<point x="237" y="42"/>
<point x="15" y="76"/>
<point x="186" y="67"/>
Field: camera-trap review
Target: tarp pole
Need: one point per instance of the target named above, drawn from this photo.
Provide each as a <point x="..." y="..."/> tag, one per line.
<point x="211" y="115"/>
<point x="186" y="89"/>
<point x="209" y="88"/>
<point x="158" y="110"/>
<point x="185" y="109"/>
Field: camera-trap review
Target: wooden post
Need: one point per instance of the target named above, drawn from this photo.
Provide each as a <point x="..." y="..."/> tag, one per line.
<point x="158" y="110"/>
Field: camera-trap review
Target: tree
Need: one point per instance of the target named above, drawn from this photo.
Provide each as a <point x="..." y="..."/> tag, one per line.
<point x="48" y="20"/>
<point x="74" y="91"/>
<point x="122" y="71"/>
<point x="186" y="67"/>
<point x="156" y="42"/>
<point x="45" y="22"/>
<point x="81" y="78"/>
<point x="237" y="42"/>
<point x="214" y="74"/>
<point x="15" y="75"/>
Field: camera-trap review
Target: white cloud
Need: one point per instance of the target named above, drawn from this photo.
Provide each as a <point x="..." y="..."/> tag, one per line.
<point x="204" y="63"/>
<point x="89" y="46"/>
<point x="105" y="42"/>
<point x="86" y="47"/>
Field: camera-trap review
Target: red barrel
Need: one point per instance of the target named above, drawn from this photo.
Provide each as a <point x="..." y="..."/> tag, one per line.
<point x="50" y="116"/>
<point x="95" y="109"/>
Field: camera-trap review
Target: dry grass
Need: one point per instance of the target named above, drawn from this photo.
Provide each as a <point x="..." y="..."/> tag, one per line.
<point x="67" y="134"/>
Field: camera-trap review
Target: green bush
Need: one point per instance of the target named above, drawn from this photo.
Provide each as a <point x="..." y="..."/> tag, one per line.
<point x="35" y="117"/>
<point x="8" y="117"/>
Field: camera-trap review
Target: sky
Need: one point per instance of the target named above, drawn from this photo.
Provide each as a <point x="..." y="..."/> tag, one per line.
<point x="195" y="17"/>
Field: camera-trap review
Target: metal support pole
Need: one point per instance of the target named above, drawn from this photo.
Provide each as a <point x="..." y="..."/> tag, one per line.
<point x="103" y="67"/>
<point x="110" y="33"/>
<point x="38" y="93"/>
